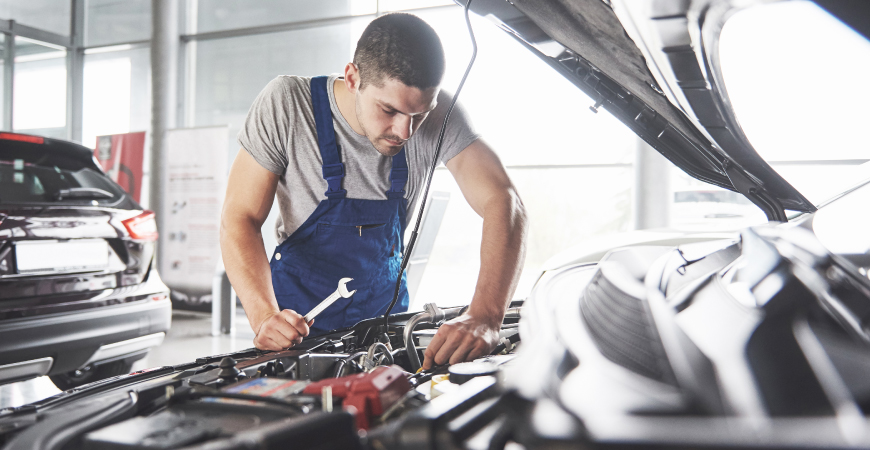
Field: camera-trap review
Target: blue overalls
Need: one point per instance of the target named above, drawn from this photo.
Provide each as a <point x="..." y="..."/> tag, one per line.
<point x="343" y="237"/>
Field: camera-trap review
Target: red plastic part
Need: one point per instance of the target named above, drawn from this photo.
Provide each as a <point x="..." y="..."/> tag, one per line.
<point x="370" y="394"/>
<point x="22" y="138"/>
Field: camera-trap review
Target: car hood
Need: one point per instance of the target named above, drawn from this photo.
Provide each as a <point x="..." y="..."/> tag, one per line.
<point x="654" y="65"/>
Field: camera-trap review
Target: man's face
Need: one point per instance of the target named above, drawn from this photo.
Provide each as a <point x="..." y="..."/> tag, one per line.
<point x="390" y="114"/>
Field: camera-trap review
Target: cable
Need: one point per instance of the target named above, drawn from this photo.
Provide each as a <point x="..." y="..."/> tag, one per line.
<point x="431" y="171"/>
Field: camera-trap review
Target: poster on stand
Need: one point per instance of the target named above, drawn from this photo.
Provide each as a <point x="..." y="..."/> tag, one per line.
<point x="194" y="182"/>
<point x="121" y="157"/>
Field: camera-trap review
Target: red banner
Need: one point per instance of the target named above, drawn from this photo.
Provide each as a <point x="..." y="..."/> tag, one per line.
<point x="121" y="157"/>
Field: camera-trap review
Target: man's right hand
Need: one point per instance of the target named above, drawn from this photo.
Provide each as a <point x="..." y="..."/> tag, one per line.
<point x="281" y="330"/>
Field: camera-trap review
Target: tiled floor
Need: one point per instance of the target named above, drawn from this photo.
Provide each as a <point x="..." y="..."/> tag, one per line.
<point x="189" y="338"/>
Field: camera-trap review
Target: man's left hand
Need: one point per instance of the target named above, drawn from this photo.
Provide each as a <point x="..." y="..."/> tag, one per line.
<point x="462" y="339"/>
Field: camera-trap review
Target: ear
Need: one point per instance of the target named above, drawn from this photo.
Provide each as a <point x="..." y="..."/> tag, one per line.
<point x="351" y="78"/>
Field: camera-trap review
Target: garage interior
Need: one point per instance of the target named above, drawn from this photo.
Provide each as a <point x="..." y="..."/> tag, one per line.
<point x="86" y="70"/>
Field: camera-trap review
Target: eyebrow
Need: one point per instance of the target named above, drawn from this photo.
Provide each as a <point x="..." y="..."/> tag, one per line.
<point x="391" y="107"/>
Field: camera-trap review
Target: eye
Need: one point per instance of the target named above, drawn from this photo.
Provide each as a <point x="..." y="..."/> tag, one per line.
<point x="388" y="112"/>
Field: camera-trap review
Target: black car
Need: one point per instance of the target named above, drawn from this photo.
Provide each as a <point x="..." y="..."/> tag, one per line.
<point x="80" y="297"/>
<point x="752" y="339"/>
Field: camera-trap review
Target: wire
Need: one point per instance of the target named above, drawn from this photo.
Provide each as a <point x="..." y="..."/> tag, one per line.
<point x="431" y="171"/>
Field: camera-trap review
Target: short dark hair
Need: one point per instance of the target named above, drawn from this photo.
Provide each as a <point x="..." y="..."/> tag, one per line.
<point x="400" y="46"/>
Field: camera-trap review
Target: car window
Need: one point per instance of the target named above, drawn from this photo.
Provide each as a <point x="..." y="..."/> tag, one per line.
<point x="796" y="77"/>
<point x="26" y="182"/>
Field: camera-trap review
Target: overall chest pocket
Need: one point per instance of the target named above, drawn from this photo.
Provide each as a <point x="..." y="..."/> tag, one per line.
<point x="369" y="230"/>
<point x="366" y="241"/>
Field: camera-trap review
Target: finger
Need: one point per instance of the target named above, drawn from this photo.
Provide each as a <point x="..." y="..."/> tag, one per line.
<point x="260" y="343"/>
<point x="283" y="338"/>
<point x="286" y="335"/>
<point x="477" y="351"/>
<point x="263" y="342"/>
<point x="276" y="345"/>
<point x="281" y="332"/>
<point x="462" y="351"/>
<point x="450" y="345"/>
<point x="432" y="349"/>
<point x="296" y="321"/>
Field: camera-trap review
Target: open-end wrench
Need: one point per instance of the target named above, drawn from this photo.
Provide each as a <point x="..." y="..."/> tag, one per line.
<point x="341" y="292"/>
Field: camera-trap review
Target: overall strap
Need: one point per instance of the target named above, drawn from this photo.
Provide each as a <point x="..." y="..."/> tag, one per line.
<point x="333" y="169"/>
<point x="398" y="176"/>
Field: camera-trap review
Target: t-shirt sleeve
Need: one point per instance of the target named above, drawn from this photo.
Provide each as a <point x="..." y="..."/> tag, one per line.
<point x="460" y="132"/>
<point x="265" y="133"/>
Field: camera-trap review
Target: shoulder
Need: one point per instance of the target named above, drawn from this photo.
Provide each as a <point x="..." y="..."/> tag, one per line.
<point x="289" y="85"/>
<point x="459" y="118"/>
<point x="436" y="117"/>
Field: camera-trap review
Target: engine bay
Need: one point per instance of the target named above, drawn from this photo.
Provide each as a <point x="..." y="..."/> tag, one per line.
<point x="329" y="392"/>
<point x="756" y="342"/>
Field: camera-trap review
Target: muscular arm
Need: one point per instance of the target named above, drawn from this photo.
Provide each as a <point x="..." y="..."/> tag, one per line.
<point x="250" y="193"/>
<point x="489" y="191"/>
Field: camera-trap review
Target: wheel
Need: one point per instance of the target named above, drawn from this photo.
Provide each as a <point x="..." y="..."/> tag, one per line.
<point x="90" y="373"/>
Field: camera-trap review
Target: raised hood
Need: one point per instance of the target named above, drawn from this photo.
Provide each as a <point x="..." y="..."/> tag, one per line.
<point x="652" y="64"/>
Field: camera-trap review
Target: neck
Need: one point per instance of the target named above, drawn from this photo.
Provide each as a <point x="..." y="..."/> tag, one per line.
<point x="347" y="105"/>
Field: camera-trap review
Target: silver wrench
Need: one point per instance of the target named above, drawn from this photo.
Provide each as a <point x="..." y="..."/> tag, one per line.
<point x="341" y="292"/>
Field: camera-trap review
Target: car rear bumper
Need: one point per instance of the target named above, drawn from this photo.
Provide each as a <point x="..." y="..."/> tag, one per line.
<point x="76" y="338"/>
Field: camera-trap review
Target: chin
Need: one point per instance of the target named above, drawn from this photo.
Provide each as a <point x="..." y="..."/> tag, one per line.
<point x="388" y="150"/>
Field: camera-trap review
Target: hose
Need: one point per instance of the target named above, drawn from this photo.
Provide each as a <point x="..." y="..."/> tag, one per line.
<point x="410" y="347"/>
<point x="386" y="352"/>
<point x="343" y="363"/>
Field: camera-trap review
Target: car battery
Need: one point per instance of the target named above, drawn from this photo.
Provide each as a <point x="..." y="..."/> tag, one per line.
<point x="267" y="387"/>
<point x="369" y="394"/>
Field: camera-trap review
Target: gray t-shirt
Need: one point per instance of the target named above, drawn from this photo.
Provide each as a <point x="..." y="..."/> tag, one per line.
<point x="280" y="134"/>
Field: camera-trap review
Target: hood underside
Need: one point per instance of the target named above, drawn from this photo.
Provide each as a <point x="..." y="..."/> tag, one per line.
<point x="597" y="53"/>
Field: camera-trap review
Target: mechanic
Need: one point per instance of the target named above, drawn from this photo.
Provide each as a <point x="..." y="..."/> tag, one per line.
<point x="346" y="158"/>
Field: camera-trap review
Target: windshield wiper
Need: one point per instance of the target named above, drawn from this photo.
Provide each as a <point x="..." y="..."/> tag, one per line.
<point x="82" y="192"/>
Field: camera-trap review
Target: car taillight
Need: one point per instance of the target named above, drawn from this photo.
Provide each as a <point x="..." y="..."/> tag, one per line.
<point x="22" y="138"/>
<point x="142" y="227"/>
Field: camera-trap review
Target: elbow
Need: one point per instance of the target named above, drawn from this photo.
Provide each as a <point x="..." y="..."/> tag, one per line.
<point x="233" y="226"/>
<point x="508" y="208"/>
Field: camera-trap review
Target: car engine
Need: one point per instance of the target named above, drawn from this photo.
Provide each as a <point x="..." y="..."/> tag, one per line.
<point x="757" y="342"/>
<point x="330" y="392"/>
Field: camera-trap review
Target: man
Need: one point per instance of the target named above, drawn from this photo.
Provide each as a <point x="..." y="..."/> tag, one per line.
<point x="346" y="158"/>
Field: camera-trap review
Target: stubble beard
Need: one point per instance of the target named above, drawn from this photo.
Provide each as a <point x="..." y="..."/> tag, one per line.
<point x="377" y="143"/>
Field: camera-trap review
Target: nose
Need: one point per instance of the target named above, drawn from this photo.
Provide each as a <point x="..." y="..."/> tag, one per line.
<point x="402" y="126"/>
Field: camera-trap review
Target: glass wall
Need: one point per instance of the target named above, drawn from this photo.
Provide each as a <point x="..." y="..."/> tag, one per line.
<point x="216" y="15"/>
<point x="117" y="93"/>
<point x="117" y="21"/>
<point x="49" y="15"/>
<point x="39" y="89"/>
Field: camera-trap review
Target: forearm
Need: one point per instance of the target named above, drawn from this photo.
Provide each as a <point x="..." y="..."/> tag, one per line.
<point x="502" y="252"/>
<point x="247" y="267"/>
